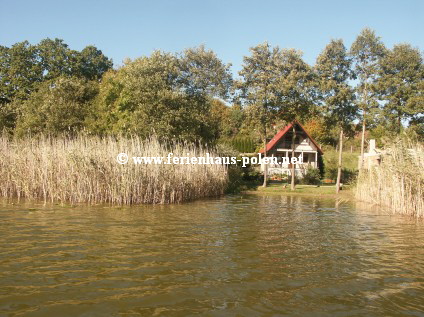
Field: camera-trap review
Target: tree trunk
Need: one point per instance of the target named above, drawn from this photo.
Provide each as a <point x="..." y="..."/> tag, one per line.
<point x="292" y="165"/>
<point x="339" y="168"/>
<point x="265" y="165"/>
<point x="362" y="141"/>
<point x="361" y="165"/>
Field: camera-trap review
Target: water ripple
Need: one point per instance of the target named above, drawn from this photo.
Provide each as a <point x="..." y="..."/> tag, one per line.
<point x="235" y="256"/>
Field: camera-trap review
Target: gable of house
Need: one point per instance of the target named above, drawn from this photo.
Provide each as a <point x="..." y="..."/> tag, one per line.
<point x="282" y="141"/>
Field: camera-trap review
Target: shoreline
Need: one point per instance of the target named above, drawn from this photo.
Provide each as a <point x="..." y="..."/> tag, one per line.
<point x="323" y="191"/>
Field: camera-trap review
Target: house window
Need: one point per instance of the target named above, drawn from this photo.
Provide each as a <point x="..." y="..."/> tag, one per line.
<point x="305" y="141"/>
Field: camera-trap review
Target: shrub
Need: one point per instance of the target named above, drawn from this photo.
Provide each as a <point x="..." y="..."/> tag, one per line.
<point x="348" y="176"/>
<point x="312" y="176"/>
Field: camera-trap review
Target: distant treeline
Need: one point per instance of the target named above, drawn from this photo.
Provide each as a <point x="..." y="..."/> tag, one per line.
<point x="192" y="95"/>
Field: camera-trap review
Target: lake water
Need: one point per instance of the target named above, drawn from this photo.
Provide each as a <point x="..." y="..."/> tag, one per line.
<point x="238" y="255"/>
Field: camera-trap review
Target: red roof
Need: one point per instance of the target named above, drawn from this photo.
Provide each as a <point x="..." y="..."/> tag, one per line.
<point x="283" y="132"/>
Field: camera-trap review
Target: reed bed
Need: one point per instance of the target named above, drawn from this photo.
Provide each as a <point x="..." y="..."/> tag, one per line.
<point x="84" y="170"/>
<point x="398" y="182"/>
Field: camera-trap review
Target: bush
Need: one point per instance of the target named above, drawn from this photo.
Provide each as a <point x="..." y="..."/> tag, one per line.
<point x="348" y="176"/>
<point x="312" y="176"/>
<point x="243" y="144"/>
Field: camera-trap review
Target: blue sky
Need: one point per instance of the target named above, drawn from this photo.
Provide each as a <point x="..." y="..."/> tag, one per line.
<point x="133" y="28"/>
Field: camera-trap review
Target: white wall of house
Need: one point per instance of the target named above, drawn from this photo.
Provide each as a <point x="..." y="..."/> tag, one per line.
<point x="304" y="147"/>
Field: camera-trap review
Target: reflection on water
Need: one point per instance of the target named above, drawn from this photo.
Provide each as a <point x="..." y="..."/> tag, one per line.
<point x="234" y="256"/>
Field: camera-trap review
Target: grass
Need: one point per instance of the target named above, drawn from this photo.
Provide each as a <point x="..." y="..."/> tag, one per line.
<point x="350" y="160"/>
<point x="84" y="170"/>
<point x="328" y="191"/>
<point x="350" y="164"/>
<point x="398" y="182"/>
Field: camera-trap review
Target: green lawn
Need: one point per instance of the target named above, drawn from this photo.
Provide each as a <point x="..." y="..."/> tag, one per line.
<point x="304" y="190"/>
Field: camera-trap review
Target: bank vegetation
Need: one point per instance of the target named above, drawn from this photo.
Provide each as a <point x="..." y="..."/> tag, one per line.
<point x="398" y="182"/>
<point x="85" y="169"/>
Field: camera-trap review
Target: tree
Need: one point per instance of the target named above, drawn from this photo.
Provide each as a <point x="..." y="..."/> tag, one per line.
<point x="261" y="72"/>
<point x="56" y="58"/>
<point x="334" y="70"/>
<point x="296" y="93"/>
<point x="59" y="105"/>
<point x="203" y="73"/>
<point x="316" y="127"/>
<point x="19" y="71"/>
<point x="366" y="50"/>
<point x="162" y="94"/>
<point x="277" y="85"/>
<point x="24" y="67"/>
<point x="92" y="63"/>
<point x="401" y="85"/>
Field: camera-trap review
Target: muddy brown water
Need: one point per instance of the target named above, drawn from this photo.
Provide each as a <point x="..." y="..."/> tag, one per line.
<point x="243" y="255"/>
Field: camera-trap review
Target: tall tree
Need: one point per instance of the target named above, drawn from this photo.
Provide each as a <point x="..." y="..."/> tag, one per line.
<point x="333" y="67"/>
<point x="92" y="63"/>
<point x="59" y="105"/>
<point x="164" y="94"/>
<point x="19" y="71"/>
<point x="277" y="85"/>
<point x="296" y="93"/>
<point x="56" y="58"/>
<point x="401" y="85"/>
<point x="261" y="73"/>
<point x="203" y="73"/>
<point x="366" y="50"/>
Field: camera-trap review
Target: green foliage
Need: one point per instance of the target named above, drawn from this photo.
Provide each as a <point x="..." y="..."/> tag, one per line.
<point x="243" y="144"/>
<point x="334" y="70"/>
<point x="20" y="71"/>
<point x="8" y="115"/>
<point x="350" y="162"/>
<point x="242" y="178"/>
<point x="277" y="84"/>
<point x="92" y="64"/>
<point x="202" y="72"/>
<point x="401" y="85"/>
<point x="348" y="176"/>
<point x="23" y="66"/>
<point x="48" y="87"/>
<point x="317" y="129"/>
<point x="26" y="68"/>
<point x="331" y="157"/>
<point x="367" y="51"/>
<point x="56" y="58"/>
<point x="296" y="87"/>
<point x="161" y="94"/>
<point x="312" y="176"/>
<point x="225" y="121"/>
<point x="59" y="105"/>
<point x="259" y="87"/>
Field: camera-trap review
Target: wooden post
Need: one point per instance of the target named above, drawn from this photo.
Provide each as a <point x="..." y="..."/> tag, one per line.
<point x="265" y="165"/>
<point x="316" y="159"/>
<point x="292" y="187"/>
<point x="339" y="168"/>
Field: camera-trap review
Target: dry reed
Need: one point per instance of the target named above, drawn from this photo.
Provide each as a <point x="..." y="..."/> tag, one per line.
<point x="84" y="169"/>
<point x="398" y="182"/>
